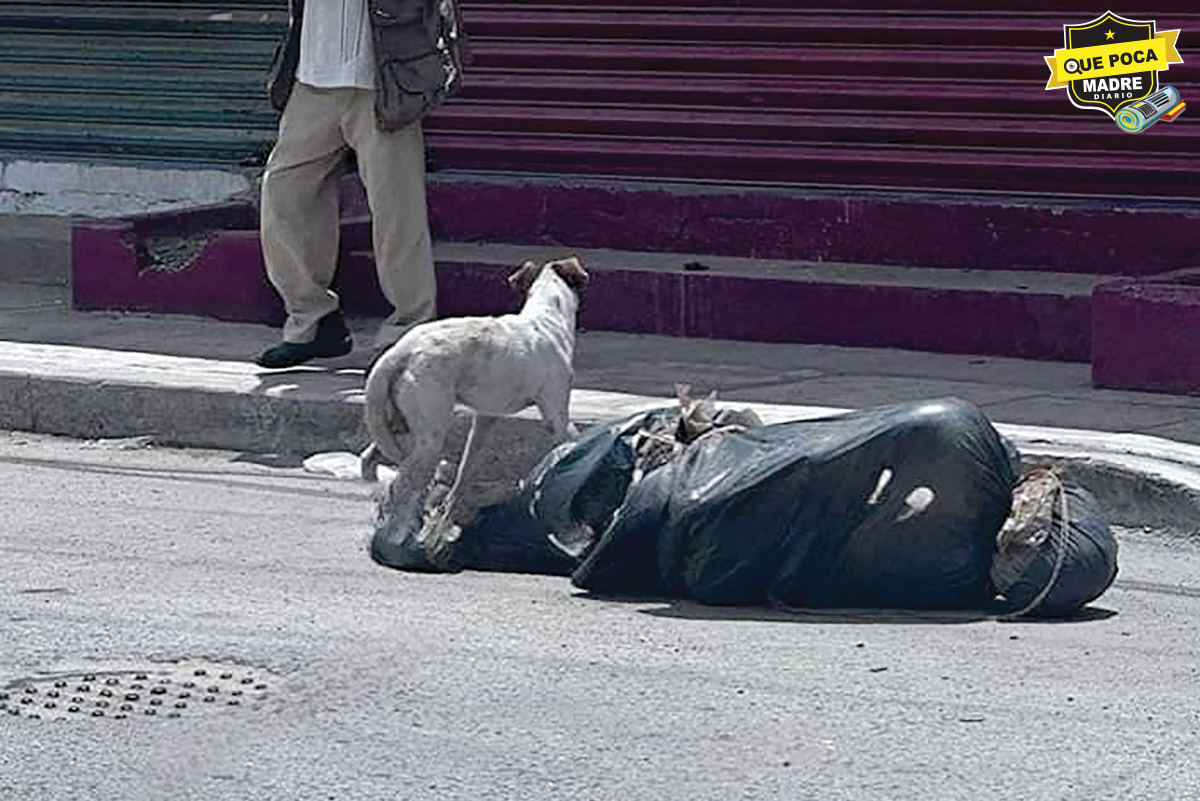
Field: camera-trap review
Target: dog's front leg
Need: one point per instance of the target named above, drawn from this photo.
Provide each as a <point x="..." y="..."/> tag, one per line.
<point x="576" y="536"/>
<point x="441" y="532"/>
<point x="480" y="424"/>
<point x="369" y="461"/>
<point x="553" y="405"/>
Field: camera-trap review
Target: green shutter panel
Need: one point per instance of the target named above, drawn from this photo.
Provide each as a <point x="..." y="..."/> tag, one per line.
<point x="143" y="81"/>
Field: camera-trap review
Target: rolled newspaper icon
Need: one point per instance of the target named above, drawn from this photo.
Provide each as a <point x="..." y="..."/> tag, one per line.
<point x="1143" y="114"/>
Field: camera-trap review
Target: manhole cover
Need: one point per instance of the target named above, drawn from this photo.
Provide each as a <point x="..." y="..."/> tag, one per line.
<point x="159" y="690"/>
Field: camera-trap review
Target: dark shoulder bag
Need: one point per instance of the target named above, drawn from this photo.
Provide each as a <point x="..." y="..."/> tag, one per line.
<point x="419" y="55"/>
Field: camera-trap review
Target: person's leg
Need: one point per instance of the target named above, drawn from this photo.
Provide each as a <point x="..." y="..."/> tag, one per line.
<point x="299" y="211"/>
<point x="392" y="167"/>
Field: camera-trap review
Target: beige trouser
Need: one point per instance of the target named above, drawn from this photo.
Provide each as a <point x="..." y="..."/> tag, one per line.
<point x="299" y="215"/>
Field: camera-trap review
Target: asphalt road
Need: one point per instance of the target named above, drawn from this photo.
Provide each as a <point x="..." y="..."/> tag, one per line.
<point x="486" y="686"/>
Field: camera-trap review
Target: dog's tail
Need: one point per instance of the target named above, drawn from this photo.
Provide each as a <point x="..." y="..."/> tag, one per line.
<point x="385" y="423"/>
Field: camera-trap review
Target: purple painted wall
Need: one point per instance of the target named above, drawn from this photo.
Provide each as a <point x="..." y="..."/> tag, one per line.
<point x="1146" y="333"/>
<point x="209" y="262"/>
<point x="224" y="279"/>
<point x="979" y="232"/>
<point x="221" y="274"/>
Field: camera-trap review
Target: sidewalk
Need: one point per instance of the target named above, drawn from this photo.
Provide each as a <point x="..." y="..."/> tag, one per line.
<point x="191" y="381"/>
<point x="1010" y="390"/>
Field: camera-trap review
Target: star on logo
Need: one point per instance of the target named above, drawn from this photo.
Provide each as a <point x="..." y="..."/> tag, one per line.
<point x="1108" y="34"/>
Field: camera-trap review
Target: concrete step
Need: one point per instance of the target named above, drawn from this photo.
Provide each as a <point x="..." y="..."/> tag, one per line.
<point x="1038" y="315"/>
<point x="1146" y="333"/>
<point x="1034" y="315"/>
<point x="775" y="221"/>
<point x="945" y="272"/>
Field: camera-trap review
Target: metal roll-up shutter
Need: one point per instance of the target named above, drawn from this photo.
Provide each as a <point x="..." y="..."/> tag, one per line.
<point x="155" y="81"/>
<point x="946" y="94"/>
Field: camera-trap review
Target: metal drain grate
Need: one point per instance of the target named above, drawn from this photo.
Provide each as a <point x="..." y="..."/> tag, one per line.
<point x="161" y="690"/>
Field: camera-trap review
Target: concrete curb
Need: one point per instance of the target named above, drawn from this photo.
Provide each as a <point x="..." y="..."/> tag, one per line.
<point x="1141" y="480"/>
<point x="100" y="394"/>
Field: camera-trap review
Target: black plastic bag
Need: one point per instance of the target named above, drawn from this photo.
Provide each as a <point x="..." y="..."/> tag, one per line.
<point x="567" y="498"/>
<point x="893" y="507"/>
<point x="1056" y="552"/>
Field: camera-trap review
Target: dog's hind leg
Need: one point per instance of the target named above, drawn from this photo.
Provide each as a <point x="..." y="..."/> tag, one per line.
<point x="399" y="515"/>
<point x="373" y="456"/>
<point x="399" y="527"/>
<point x="385" y="420"/>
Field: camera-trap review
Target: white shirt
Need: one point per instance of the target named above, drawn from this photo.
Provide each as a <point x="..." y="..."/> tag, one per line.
<point x="335" y="45"/>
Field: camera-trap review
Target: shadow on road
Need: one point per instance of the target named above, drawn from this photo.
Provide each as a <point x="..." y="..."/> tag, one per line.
<point x="691" y="610"/>
<point x="1087" y="614"/>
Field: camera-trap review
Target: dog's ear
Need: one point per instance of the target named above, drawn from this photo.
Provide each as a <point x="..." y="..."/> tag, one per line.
<point x="524" y="277"/>
<point x="571" y="271"/>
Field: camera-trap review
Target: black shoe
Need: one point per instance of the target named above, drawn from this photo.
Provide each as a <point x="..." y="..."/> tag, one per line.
<point x="332" y="339"/>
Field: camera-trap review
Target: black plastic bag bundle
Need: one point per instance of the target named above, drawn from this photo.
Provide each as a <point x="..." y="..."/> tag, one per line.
<point x="893" y="507"/>
<point x="902" y="507"/>
<point x="1056" y="551"/>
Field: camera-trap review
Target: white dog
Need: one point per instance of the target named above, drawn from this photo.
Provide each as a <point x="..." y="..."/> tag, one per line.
<point x="496" y="366"/>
